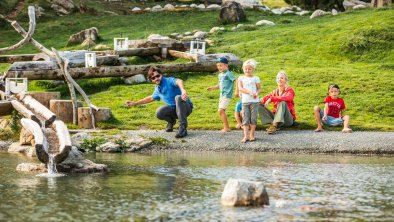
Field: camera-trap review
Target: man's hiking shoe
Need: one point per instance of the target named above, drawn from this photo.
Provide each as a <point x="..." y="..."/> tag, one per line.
<point x="181" y="133"/>
<point x="170" y="127"/>
<point x="272" y="129"/>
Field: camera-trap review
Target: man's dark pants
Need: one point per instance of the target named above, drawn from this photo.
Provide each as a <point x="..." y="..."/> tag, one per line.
<point x="181" y="112"/>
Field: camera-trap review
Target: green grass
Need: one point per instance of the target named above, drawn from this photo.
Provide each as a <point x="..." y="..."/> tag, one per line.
<point x="354" y="50"/>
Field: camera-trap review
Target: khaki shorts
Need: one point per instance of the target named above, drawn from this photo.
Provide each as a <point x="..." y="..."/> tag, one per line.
<point x="224" y="102"/>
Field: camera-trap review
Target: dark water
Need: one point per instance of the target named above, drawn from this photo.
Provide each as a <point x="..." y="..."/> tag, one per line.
<point x="187" y="187"/>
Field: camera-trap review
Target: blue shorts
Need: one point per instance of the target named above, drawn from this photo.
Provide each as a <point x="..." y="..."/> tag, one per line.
<point x="331" y="121"/>
<point x="238" y="106"/>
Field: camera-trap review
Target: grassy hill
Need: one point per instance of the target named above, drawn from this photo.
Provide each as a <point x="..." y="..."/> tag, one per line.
<point x="353" y="49"/>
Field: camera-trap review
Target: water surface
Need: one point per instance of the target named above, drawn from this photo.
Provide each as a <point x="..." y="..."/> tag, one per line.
<point x="177" y="186"/>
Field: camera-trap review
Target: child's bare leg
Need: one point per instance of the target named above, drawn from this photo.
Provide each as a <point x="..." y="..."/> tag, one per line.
<point x="223" y="117"/>
<point x="346" y="120"/>
<point x="246" y="132"/>
<point x="237" y="116"/>
<point x="316" y="110"/>
<point x="252" y="130"/>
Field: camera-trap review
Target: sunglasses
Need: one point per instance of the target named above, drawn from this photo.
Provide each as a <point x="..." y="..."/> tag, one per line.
<point x="154" y="77"/>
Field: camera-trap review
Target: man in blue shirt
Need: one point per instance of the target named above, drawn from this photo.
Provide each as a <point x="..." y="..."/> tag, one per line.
<point x="173" y="93"/>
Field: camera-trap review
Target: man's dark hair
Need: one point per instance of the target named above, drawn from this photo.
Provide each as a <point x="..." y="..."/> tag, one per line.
<point x="152" y="71"/>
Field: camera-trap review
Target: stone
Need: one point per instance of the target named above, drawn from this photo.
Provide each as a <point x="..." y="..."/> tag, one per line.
<point x="239" y="192"/>
<point x="31" y="152"/>
<point x="304" y="13"/>
<point x="334" y="11"/>
<point x="140" y="78"/>
<point x="136" y="9"/>
<point x="277" y="11"/>
<point x="78" y="38"/>
<point x="17" y="148"/>
<point x="232" y="12"/>
<point x="285" y="8"/>
<point x="200" y="35"/>
<point x="156" y="8"/>
<point x="78" y="138"/>
<point x="168" y="6"/>
<point x="5" y="124"/>
<point x="264" y="22"/>
<point x="25" y="137"/>
<point x="62" y="7"/>
<point x="108" y="147"/>
<point x="245" y="3"/>
<point x="348" y="5"/>
<point x="317" y="13"/>
<point x="5" y="144"/>
<point x="296" y="8"/>
<point x="214" y="7"/>
<point x="263" y="8"/>
<point x="356" y="7"/>
<point x="200" y="6"/>
<point x="31" y="167"/>
<point x="288" y="12"/>
<point x="216" y="29"/>
<point x="39" y="11"/>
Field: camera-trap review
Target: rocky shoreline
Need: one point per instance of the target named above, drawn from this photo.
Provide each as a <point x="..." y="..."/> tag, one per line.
<point x="300" y="141"/>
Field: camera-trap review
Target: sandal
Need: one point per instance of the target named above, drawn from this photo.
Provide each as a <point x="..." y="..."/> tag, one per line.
<point x="272" y="129"/>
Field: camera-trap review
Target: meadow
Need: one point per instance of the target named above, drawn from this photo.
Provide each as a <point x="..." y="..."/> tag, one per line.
<point x="353" y="49"/>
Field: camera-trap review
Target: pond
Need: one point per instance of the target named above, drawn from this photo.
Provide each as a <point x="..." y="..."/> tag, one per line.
<point x="186" y="186"/>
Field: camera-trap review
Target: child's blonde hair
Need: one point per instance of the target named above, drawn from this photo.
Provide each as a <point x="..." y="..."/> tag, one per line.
<point x="250" y="62"/>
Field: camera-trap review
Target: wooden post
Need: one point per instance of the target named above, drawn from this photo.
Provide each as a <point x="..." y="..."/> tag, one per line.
<point x="85" y="120"/>
<point x="45" y="97"/>
<point x="63" y="109"/>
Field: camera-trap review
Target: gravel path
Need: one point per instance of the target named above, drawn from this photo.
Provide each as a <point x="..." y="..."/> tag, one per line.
<point x="300" y="141"/>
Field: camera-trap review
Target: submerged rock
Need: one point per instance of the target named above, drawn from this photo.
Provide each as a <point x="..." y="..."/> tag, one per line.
<point x="238" y="192"/>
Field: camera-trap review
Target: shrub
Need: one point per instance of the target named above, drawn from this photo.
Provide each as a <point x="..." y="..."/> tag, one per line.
<point x="91" y="144"/>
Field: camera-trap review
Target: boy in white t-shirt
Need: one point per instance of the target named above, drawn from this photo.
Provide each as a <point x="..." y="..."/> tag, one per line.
<point x="249" y="87"/>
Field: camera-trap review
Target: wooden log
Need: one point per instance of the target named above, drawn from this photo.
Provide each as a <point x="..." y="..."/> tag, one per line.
<point x="184" y="55"/>
<point x="137" y="52"/>
<point x="16" y="58"/>
<point x="5" y="108"/>
<point x="233" y="59"/>
<point x="24" y="111"/>
<point x="64" y="141"/>
<point x="112" y="60"/>
<point x="114" y="71"/>
<point x="62" y="109"/>
<point x="39" y="109"/>
<point x="45" y="97"/>
<point x="85" y="120"/>
<point x="35" y="129"/>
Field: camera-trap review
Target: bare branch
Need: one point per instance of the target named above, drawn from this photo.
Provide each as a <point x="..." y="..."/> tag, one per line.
<point x="27" y="37"/>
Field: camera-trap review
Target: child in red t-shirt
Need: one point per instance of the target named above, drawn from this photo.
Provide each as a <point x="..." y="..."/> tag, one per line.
<point x="334" y="111"/>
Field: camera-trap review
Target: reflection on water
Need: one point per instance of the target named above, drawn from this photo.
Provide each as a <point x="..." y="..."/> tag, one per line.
<point x="187" y="186"/>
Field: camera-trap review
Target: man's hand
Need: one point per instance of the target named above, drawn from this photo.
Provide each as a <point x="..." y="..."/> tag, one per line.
<point x="184" y="95"/>
<point x="131" y="103"/>
<point x="324" y="118"/>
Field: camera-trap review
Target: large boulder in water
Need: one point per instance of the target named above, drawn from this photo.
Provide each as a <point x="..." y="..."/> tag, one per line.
<point x="238" y="192"/>
<point x="232" y="12"/>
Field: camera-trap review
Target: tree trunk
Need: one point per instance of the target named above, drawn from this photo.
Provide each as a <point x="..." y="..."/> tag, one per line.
<point x="16" y="58"/>
<point x="184" y="55"/>
<point x="62" y="109"/>
<point x="380" y="3"/>
<point x="40" y="110"/>
<point x="45" y="97"/>
<point x="113" y="71"/>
